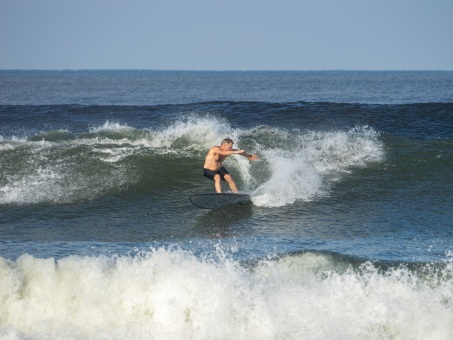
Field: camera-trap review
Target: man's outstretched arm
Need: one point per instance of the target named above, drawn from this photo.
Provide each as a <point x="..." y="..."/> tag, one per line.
<point x="248" y="156"/>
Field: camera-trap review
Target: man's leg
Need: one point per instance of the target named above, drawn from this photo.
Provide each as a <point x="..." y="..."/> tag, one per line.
<point x="218" y="187"/>
<point x="231" y="183"/>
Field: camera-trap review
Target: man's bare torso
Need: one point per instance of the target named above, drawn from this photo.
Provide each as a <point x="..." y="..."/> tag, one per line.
<point x="214" y="159"/>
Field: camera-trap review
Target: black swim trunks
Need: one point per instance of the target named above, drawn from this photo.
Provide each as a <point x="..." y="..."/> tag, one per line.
<point x="211" y="173"/>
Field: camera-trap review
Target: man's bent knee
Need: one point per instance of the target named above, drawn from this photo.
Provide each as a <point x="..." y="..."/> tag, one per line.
<point x="228" y="178"/>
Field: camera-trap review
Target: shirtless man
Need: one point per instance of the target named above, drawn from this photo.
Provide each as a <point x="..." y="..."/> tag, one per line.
<point x="213" y="168"/>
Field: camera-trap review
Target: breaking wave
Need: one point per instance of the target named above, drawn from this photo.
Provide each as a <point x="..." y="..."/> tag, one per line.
<point x="63" y="167"/>
<point x="171" y="293"/>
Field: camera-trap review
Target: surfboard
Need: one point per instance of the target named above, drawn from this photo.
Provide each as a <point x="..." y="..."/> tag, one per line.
<point x="215" y="200"/>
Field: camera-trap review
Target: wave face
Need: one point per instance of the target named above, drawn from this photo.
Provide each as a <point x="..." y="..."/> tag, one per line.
<point x="78" y="154"/>
<point x="62" y="167"/>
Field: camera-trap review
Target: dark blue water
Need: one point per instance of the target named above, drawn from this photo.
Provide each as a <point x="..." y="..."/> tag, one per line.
<point x="351" y="198"/>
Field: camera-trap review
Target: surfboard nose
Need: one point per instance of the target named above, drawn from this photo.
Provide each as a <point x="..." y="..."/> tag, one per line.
<point x="218" y="200"/>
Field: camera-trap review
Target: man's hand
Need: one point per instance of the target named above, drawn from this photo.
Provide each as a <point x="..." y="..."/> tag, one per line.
<point x="249" y="157"/>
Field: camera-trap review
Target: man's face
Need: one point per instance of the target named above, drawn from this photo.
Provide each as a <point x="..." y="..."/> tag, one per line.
<point x="227" y="147"/>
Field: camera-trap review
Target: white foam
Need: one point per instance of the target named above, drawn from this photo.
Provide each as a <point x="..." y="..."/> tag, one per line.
<point x="292" y="178"/>
<point x="307" y="163"/>
<point x="57" y="182"/>
<point x="173" y="294"/>
<point x="191" y="133"/>
<point x="110" y="126"/>
<point x="30" y="188"/>
<point x="195" y="133"/>
<point x="6" y="147"/>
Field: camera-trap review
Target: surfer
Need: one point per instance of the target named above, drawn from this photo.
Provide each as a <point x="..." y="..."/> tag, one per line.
<point x="213" y="168"/>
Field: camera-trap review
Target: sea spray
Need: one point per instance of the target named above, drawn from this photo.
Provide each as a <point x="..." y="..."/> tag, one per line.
<point x="291" y="178"/>
<point x="307" y="163"/>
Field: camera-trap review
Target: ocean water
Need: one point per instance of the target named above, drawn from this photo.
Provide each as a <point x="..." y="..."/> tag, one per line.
<point x="349" y="234"/>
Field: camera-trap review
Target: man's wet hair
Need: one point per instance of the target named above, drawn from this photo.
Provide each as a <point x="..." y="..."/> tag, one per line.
<point x="227" y="141"/>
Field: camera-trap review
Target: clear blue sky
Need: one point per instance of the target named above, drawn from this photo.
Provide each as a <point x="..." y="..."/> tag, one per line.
<point x="227" y="34"/>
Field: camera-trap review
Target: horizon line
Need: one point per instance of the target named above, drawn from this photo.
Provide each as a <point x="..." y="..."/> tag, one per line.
<point x="218" y="70"/>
